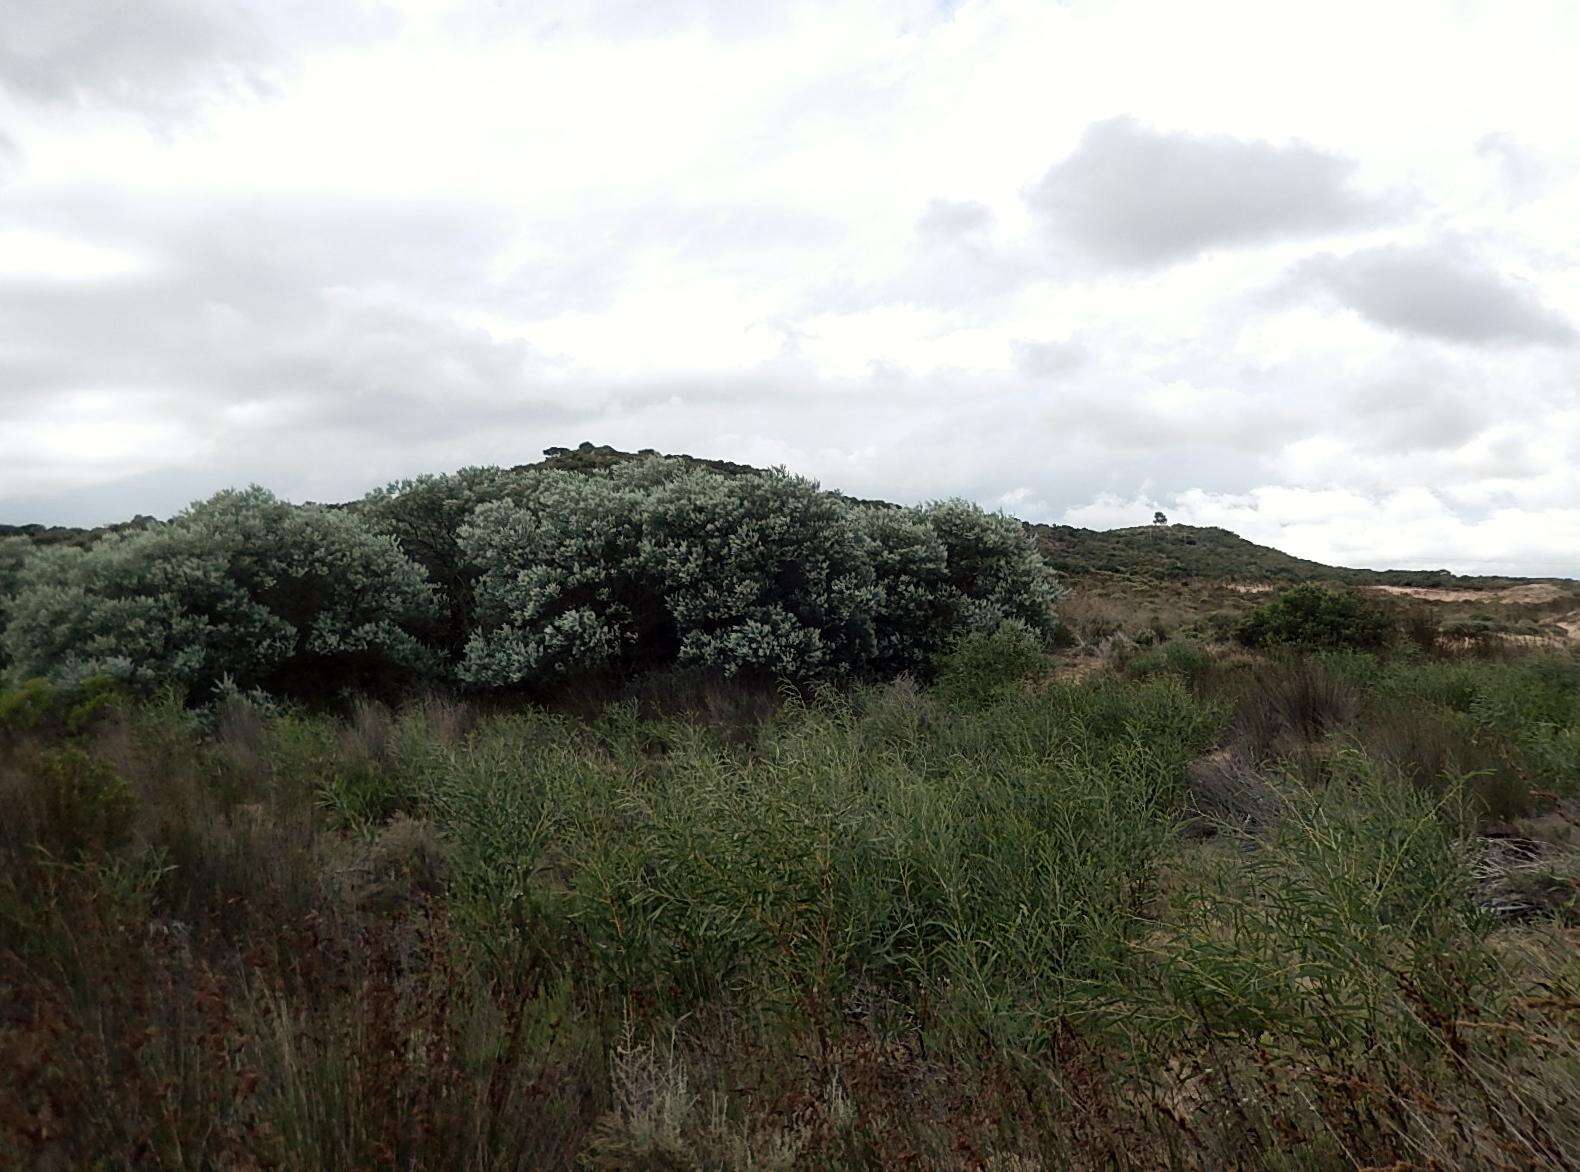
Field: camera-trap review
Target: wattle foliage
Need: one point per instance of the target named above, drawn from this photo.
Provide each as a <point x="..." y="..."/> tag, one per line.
<point x="498" y="578"/>
<point x="651" y="564"/>
<point x="242" y="586"/>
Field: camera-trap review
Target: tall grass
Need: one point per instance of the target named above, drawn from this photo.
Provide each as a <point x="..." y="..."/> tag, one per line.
<point x="953" y="927"/>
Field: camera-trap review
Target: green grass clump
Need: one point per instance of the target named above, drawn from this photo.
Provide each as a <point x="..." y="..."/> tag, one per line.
<point x="882" y="842"/>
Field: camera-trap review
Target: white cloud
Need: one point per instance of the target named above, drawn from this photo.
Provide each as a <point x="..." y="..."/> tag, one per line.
<point x="999" y="248"/>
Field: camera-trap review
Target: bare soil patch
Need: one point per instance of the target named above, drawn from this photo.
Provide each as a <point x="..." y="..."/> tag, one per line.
<point x="1531" y="592"/>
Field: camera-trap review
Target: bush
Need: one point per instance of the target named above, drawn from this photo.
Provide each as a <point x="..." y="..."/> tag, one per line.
<point x="760" y="572"/>
<point x="241" y="585"/>
<point x="14" y="552"/>
<point x="983" y="667"/>
<point x="524" y="578"/>
<point x="995" y="571"/>
<point x="425" y="515"/>
<point x="651" y="565"/>
<point x="561" y="585"/>
<point x="1316" y="618"/>
<point x="915" y="611"/>
<point x="1188" y="660"/>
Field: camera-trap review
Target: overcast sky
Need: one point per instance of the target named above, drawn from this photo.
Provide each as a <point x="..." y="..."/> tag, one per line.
<point x="1306" y="271"/>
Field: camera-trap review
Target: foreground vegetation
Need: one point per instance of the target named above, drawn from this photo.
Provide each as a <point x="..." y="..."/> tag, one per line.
<point x="624" y="812"/>
<point x="1201" y="907"/>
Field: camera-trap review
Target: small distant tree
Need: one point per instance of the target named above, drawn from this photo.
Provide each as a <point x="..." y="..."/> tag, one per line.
<point x="1159" y="519"/>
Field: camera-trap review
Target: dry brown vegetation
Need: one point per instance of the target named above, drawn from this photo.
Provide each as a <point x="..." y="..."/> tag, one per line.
<point x="1198" y="909"/>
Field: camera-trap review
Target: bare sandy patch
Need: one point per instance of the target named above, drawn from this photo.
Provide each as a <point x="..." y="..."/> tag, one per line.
<point x="1530" y="592"/>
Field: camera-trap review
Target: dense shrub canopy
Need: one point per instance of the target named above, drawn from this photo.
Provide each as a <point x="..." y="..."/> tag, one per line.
<point x="561" y="584"/>
<point x="14" y="551"/>
<point x="516" y="578"/>
<point x="651" y="563"/>
<point x="761" y="571"/>
<point x="1311" y="617"/>
<point x="241" y="585"/>
<point x="424" y="515"/>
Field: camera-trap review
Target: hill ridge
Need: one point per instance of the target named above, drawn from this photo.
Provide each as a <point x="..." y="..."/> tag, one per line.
<point x="1161" y="552"/>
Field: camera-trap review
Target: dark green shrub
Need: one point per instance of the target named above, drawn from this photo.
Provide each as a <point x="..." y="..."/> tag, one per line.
<point x="14" y="552"/>
<point x="26" y="706"/>
<point x="85" y="803"/>
<point x="424" y="515"/>
<point x="37" y="705"/>
<point x="1311" y="617"/>
<point x="1183" y="658"/>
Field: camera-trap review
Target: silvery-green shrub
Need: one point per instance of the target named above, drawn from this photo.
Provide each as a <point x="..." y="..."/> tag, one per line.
<point x="425" y="515"/>
<point x="917" y="608"/>
<point x="14" y="551"/>
<point x="652" y="563"/>
<point x="994" y="568"/>
<point x="560" y="585"/>
<point x="241" y="585"/>
<point x="948" y="569"/>
<point x="761" y="572"/>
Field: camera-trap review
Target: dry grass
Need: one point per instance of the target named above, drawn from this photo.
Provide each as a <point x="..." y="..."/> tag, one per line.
<point x="874" y="931"/>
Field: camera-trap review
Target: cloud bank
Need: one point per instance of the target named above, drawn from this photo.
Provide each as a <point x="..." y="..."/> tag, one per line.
<point x="995" y="248"/>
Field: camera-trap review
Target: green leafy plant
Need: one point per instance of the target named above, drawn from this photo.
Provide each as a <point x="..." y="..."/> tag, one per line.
<point x="242" y="585"/>
<point x="1312" y="617"/>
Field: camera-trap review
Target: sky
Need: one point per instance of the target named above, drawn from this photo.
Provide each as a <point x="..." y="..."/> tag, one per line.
<point x="1307" y="272"/>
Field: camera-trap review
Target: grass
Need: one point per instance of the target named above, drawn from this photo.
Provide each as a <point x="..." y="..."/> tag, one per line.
<point x="1199" y="908"/>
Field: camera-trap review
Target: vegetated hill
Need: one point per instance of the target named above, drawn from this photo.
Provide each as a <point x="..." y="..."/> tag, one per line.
<point x="1190" y="551"/>
<point x="1155" y="552"/>
<point x="71" y="535"/>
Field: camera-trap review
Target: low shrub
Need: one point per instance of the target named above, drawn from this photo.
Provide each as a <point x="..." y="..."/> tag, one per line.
<point x="1312" y="617"/>
<point x="982" y="667"/>
<point x="1182" y="657"/>
<point x="37" y="705"/>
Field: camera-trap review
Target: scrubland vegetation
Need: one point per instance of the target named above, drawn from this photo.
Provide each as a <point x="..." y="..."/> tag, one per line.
<point x="667" y="818"/>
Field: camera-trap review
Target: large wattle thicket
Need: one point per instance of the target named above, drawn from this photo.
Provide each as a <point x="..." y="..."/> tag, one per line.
<point x="271" y="595"/>
<point x="14" y="552"/>
<point x="495" y="578"/>
<point x="651" y="564"/>
<point x="424" y="515"/>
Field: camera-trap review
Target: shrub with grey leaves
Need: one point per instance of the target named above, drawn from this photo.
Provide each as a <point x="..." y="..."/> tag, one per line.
<point x="244" y="586"/>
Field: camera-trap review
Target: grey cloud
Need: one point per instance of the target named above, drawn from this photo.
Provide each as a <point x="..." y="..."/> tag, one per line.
<point x="1435" y="291"/>
<point x="157" y="57"/>
<point x="233" y="287"/>
<point x="953" y="220"/>
<point x="1048" y="359"/>
<point x="1408" y="418"/>
<point x="1138" y="198"/>
<point x="318" y="315"/>
<point x="322" y="346"/>
<point x="1522" y="173"/>
<point x="956" y="261"/>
